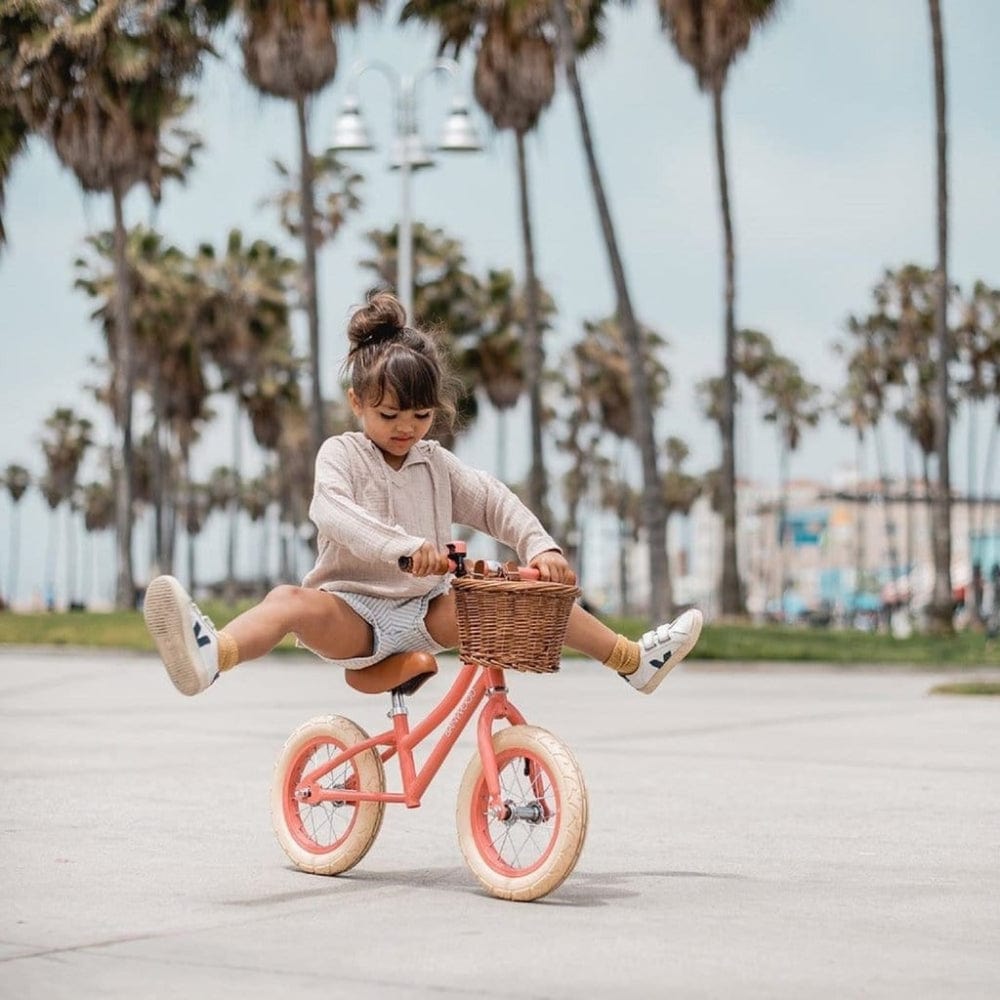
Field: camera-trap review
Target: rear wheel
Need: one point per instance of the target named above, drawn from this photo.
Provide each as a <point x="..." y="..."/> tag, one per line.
<point x="328" y="837"/>
<point x="530" y="845"/>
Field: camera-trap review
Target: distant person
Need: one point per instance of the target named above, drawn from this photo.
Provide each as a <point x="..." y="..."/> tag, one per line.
<point x="382" y="493"/>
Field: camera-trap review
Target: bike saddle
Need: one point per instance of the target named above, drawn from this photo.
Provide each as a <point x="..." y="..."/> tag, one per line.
<point x="401" y="672"/>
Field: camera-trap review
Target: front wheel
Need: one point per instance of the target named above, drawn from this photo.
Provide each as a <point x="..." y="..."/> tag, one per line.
<point x="328" y="837"/>
<point x="528" y="846"/>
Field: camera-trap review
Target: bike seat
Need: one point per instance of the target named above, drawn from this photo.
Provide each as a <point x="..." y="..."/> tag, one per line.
<point x="402" y="672"/>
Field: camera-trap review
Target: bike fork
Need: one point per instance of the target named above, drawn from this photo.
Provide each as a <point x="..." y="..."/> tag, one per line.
<point x="497" y="707"/>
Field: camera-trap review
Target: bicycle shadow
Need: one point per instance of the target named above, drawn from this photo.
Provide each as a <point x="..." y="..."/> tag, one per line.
<point x="593" y="889"/>
<point x="583" y="889"/>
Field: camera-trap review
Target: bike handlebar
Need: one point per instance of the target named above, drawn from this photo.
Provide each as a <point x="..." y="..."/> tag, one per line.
<point x="457" y="565"/>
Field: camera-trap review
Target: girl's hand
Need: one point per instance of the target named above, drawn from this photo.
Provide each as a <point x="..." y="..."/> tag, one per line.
<point x="428" y="560"/>
<point x="553" y="568"/>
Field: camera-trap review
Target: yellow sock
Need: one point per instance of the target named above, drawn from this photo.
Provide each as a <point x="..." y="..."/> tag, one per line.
<point x="229" y="654"/>
<point x="624" y="658"/>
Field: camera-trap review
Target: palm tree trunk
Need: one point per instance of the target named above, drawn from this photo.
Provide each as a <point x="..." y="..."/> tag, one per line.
<point x="15" y="553"/>
<point x="234" y="506"/>
<point x="307" y="201"/>
<point x="731" y="592"/>
<point x="124" y="378"/>
<point x="538" y="488"/>
<point x="158" y="479"/>
<point x="654" y="517"/>
<point x="70" y="543"/>
<point x="51" y="552"/>
<point x="942" y="607"/>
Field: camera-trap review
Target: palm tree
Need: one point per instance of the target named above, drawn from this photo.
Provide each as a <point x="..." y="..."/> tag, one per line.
<point x="514" y="83"/>
<point x="680" y="489"/>
<point x="100" y="81"/>
<point x="499" y="354"/>
<point x="255" y="500"/>
<point x="224" y="489"/>
<point x="606" y="389"/>
<point x="792" y="404"/>
<point x="871" y="370"/>
<point x="708" y="36"/>
<point x="579" y="441"/>
<point x="290" y="52"/>
<point x="16" y="479"/>
<point x="979" y="339"/>
<point x="197" y="507"/>
<point x="97" y="502"/>
<point x="244" y="315"/>
<point x="168" y="356"/>
<point x="296" y="462"/>
<point x="65" y="442"/>
<point x="13" y="140"/>
<point x="901" y="330"/>
<point x="578" y="30"/>
<point x="942" y="608"/>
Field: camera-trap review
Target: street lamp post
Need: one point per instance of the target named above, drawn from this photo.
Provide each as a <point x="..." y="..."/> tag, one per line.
<point x="409" y="153"/>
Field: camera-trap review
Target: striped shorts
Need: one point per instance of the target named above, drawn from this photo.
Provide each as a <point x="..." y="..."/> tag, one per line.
<point x="397" y="626"/>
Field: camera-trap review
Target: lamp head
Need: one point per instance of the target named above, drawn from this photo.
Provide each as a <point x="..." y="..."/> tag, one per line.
<point x="459" y="134"/>
<point x="349" y="132"/>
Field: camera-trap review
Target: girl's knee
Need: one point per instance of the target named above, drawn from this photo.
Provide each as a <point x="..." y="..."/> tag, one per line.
<point x="283" y="593"/>
<point x="288" y="598"/>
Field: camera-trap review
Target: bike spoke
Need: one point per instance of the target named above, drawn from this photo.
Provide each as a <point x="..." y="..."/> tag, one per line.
<point x="520" y="843"/>
<point x="326" y="822"/>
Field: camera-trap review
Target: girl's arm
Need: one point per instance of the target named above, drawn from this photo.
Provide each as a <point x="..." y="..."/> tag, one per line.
<point x="481" y="501"/>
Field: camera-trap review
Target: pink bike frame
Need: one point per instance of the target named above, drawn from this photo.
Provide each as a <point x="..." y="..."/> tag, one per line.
<point x="464" y="696"/>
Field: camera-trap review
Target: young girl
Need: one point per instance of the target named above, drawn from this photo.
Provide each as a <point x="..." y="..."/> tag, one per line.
<point x="383" y="493"/>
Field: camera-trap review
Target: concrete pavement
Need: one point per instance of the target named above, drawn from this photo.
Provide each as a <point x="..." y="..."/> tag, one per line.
<point x="768" y="833"/>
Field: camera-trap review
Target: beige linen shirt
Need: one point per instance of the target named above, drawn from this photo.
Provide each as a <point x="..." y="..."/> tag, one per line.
<point x="369" y="514"/>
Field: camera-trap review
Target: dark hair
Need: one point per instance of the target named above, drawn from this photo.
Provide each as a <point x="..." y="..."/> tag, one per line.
<point x="386" y="354"/>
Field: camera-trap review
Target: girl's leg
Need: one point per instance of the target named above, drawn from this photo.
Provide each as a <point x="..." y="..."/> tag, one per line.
<point x="440" y="620"/>
<point x="643" y="663"/>
<point x="322" y="621"/>
<point x="589" y="635"/>
<point x="194" y="652"/>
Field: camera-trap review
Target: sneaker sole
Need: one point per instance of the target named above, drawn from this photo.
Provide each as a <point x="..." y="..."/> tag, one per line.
<point x="675" y="658"/>
<point x="163" y="611"/>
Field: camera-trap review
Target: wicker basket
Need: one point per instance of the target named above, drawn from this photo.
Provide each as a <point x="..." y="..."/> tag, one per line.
<point x="512" y="623"/>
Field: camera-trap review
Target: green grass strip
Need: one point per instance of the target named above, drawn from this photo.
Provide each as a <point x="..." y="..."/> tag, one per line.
<point x="742" y="643"/>
<point x="968" y="688"/>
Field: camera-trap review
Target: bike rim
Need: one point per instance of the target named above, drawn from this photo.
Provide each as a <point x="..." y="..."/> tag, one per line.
<point x="321" y="826"/>
<point x="518" y="847"/>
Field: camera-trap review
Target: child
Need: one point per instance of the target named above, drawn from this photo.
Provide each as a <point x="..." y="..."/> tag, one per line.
<point x="379" y="494"/>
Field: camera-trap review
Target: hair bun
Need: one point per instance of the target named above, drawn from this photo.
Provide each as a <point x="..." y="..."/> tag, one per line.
<point x="381" y="317"/>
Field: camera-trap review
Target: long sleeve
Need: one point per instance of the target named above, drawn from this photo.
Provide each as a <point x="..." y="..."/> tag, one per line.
<point x="481" y="501"/>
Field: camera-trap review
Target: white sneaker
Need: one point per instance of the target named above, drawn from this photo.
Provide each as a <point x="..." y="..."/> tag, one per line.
<point x="185" y="638"/>
<point x="662" y="649"/>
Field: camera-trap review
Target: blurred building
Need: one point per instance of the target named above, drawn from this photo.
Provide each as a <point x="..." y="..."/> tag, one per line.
<point x="832" y="548"/>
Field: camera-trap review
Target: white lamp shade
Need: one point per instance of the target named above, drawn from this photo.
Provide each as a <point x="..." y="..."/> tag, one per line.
<point x="459" y="134"/>
<point x="349" y="130"/>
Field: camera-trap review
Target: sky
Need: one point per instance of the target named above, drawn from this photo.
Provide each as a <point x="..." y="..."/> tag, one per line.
<point x="830" y="135"/>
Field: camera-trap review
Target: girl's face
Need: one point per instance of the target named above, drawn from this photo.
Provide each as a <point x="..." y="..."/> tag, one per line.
<point x="394" y="431"/>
